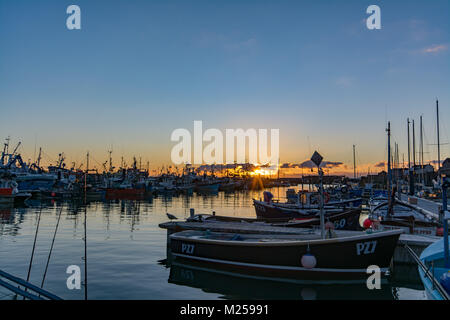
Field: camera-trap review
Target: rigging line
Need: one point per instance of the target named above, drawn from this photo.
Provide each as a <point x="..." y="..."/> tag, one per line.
<point x="51" y="247"/>
<point x="34" y="246"/>
<point x="85" y="251"/>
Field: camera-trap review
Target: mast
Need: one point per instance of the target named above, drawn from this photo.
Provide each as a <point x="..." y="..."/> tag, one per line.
<point x="389" y="161"/>
<point x="354" y="163"/>
<point x="409" y="148"/>
<point x="414" y="146"/>
<point x="39" y="157"/>
<point x="421" y="153"/>
<point x="438" y="142"/>
<point x="85" y="228"/>
<point x="110" y="161"/>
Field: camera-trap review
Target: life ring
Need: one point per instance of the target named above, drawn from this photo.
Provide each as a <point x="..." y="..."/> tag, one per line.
<point x="326" y="197"/>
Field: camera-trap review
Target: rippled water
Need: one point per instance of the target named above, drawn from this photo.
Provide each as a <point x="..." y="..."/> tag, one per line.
<point x="125" y="248"/>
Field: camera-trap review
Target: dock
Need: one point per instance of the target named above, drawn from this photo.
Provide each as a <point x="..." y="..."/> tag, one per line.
<point x="401" y="255"/>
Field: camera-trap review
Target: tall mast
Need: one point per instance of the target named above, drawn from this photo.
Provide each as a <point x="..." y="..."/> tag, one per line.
<point x="438" y="142"/>
<point x="409" y="148"/>
<point x="389" y="158"/>
<point x="414" y="146"/>
<point x="110" y="161"/>
<point x="421" y="151"/>
<point x="354" y="163"/>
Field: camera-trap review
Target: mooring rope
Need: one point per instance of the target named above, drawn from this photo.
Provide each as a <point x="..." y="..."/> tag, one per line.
<point x="85" y="252"/>
<point x="51" y="247"/>
<point x="34" y="244"/>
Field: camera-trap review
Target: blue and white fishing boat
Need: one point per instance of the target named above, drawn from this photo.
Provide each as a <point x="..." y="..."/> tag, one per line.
<point x="434" y="265"/>
<point x="433" y="259"/>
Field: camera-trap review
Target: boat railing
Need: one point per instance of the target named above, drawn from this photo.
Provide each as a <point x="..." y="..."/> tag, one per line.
<point x="14" y="285"/>
<point x="429" y="274"/>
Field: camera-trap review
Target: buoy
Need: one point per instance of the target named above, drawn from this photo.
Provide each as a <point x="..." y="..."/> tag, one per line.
<point x="367" y="223"/>
<point x="308" y="260"/>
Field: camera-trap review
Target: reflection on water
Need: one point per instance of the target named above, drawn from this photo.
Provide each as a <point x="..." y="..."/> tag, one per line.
<point x="125" y="248"/>
<point x="236" y="286"/>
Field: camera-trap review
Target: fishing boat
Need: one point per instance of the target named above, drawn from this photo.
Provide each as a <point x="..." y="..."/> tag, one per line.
<point x="227" y="186"/>
<point x="125" y="192"/>
<point x="269" y="210"/>
<point x="390" y="214"/>
<point x="305" y="256"/>
<point x="434" y="264"/>
<point x="10" y="194"/>
<point x="306" y="206"/>
<point x="207" y="187"/>
<point x="433" y="260"/>
<point x="346" y="220"/>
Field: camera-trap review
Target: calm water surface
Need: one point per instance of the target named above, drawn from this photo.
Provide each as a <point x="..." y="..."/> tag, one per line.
<point x="126" y="249"/>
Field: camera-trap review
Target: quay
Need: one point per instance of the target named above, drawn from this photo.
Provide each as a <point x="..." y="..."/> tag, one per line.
<point x="401" y="255"/>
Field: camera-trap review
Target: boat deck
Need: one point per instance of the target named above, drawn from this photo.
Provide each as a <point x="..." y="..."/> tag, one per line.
<point x="427" y="207"/>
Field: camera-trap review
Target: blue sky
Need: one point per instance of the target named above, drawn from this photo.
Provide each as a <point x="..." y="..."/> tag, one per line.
<point x="137" y="70"/>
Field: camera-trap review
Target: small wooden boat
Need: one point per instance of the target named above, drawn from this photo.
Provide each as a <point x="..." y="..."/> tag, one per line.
<point x="270" y="210"/>
<point x="347" y="220"/>
<point x="344" y="255"/>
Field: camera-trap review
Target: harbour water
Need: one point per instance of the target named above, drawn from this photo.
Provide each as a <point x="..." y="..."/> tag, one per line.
<point x="126" y="252"/>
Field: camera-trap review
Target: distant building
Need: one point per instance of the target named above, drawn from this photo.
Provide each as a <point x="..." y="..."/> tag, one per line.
<point x="445" y="168"/>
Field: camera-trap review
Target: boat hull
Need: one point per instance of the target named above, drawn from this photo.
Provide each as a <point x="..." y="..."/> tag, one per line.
<point x="348" y="220"/>
<point x="341" y="259"/>
<point x="124" y="193"/>
<point x="207" y="188"/>
<point x="266" y="210"/>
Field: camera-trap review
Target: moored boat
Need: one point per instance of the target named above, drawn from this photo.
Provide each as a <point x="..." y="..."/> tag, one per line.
<point x="121" y="193"/>
<point x="433" y="259"/>
<point x="347" y="220"/>
<point x="343" y="256"/>
<point x="207" y="187"/>
<point x="269" y="210"/>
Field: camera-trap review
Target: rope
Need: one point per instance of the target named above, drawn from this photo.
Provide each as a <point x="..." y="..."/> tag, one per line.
<point x="85" y="253"/>
<point x="51" y="247"/>
<point x="34" y="244"/>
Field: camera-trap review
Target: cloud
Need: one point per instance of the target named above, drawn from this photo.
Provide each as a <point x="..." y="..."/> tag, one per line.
<point x="435" y="48"/>
<point x="325" y="164"/>
<point x="380" y="164"/>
